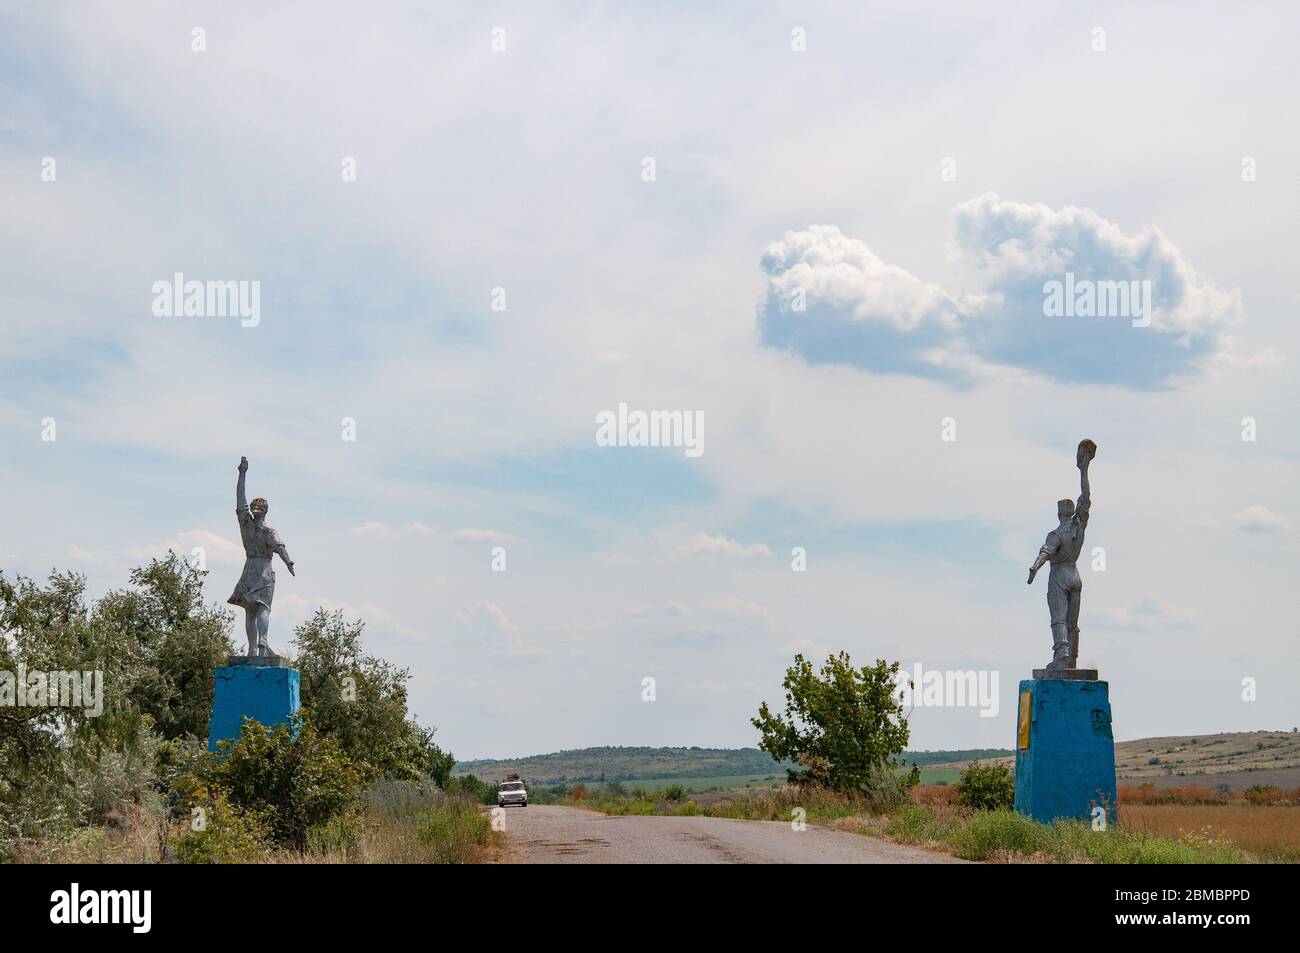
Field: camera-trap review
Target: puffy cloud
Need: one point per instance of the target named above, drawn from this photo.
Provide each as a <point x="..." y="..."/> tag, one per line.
<point x="858" y="310"/>
<point x="702" y="544"/>
<point x="830" y="298"/>
<point x="1253" y="519"/>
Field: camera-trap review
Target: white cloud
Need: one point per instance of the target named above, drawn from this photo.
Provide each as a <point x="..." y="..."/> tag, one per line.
<point x="471" y="535"/>
<point x="488" y="626"/>
<point x="1151" y="615"/>
<point x="218" y="551"/>
<point x="484" y="614"/>
<point x="384" y="531"/>
<point x="742" y="608"/>
<point x="864" y="312"/>
<point x="702" y="544"/>
<point x="1257" y="519"/>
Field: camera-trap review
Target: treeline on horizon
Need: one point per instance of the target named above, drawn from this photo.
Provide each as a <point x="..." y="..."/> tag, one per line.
<point x="633" y="763"/>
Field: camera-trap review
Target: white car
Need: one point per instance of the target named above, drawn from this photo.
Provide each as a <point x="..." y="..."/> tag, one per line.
<point x="512" y="792"/>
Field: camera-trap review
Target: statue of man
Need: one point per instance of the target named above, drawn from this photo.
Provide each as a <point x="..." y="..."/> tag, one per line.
<point x="256" y="586"/>
<point x="1062" y="548"/>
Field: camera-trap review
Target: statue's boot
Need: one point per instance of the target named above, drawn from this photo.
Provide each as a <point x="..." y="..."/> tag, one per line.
<point x="1061" y="658"/>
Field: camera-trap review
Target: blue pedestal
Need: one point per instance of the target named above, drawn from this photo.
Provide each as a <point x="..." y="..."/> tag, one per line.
<point x="266" y="694"/>
<point x="1065" y="752"/>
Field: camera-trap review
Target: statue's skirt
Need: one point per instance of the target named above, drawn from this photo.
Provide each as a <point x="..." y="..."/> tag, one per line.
<point x="256" y="586"/>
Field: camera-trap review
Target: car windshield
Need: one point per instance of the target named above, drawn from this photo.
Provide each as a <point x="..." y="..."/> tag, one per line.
<point x="513" y="786"/>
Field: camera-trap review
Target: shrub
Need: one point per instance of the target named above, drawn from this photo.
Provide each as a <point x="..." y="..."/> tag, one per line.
<point x="229" y="835"/>
<point x="1265" y="794"/>
<point x="294" y="781"/>
<point x="400" y="797"/>
<point x="339" y="834"/>
<point x="675" y="793"/>
<point x="988" y="787"/>
<point x="455" y="831"/>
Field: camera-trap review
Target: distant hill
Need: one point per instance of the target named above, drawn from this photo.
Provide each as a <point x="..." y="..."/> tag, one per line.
<point x="1199" y="758"/>
<point x="1237" y="759"/>
<point x="644" y="764"/>
<point x="625" y="764"/>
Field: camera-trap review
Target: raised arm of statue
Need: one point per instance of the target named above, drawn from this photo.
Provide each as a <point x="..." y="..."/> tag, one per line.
<point x="1084" y="506"/>
<point x="1087" y="450"/>
<point x="241" y="500"/>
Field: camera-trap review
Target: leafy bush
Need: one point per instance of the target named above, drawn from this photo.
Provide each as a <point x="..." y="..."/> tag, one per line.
<point x="840" y="726"/>
<point x="472" y="787"/>
<point x="455" y="831"/>
<point x="295" y="780"/>
<point x="987" y="787"/>
<point x="229" y="835"/>
<point x="675" y="793"/>
<point x="339" y="834"/>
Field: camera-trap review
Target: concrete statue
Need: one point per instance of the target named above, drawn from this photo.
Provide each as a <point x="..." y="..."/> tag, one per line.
<point x="261" y="686"/>
<point x="1062" y="549"/>
<point x="1065" y="745"/>
<point x="256" y="587"/>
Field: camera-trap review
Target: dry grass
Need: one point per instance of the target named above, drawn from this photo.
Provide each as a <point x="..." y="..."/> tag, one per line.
<point x="1268" y="832"/>
<point x="424" y="834"/>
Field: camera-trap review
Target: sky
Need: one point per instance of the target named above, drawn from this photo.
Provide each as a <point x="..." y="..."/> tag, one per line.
<point x="823" y="230"/>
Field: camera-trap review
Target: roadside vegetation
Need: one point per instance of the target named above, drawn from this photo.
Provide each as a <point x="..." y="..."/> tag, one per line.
<point x="353" y="779"/>
<point x="844" y="731"/>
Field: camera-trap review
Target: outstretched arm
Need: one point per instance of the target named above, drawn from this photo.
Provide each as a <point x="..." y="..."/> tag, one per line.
<point x="284" y="554"/>
<point x="1044" y="554"/>
<point x="241" y="501"/>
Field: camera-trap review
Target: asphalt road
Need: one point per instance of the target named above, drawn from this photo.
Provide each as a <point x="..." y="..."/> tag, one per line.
<point x="546" y="834"/>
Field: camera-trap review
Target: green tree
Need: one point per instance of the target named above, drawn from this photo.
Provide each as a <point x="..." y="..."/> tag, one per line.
<point x="176" y="642"/>
<point x="360" y="701"/>
<point x="840" y="727"/>
<point x="63" y="766"/>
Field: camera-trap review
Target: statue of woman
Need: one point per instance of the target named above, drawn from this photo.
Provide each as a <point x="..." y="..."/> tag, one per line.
<point x="256" y="586"/>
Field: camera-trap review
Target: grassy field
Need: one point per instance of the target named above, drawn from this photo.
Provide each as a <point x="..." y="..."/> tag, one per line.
<point x="940" y="774"/>
<point x="1269" y="832"/>
<point x="692" y="785"/>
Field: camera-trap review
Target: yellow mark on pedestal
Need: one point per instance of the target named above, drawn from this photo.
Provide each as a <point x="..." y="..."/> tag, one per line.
<point x="1026" y="705"/>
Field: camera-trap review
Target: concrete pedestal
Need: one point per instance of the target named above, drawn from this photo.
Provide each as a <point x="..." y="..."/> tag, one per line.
<point x="1065" y="752"/>
<point x="263" y="688"/>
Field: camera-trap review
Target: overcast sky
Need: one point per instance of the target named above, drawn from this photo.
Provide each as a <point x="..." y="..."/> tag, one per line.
<point x="917" y="171"/>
